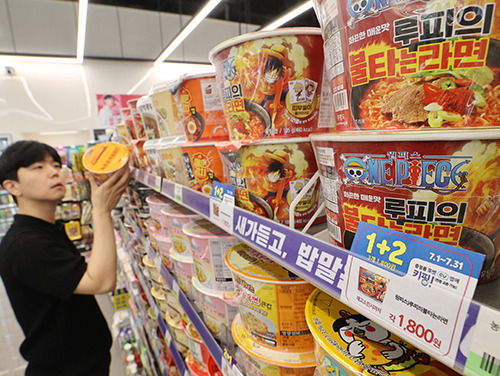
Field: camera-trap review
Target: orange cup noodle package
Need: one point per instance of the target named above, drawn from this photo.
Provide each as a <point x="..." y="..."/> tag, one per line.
<point x="446" y="190"/>
<point x="271" y="300"/>
<point x="200" y="108"/>
<point x="261" y="361"/>
<point x="268" y="176"/>
<point x="270" y="83"/>
<point x="104" y="159"/>
<point x="154" y="125"/>
<point x="163" y="99"/>
<point x="126" y="115"/>
<point x="412" y="64"/>
<point x="137" y="119"/>
<point x="203" y="166"/>
<point x="171" y="160"/>
<point x="348" y="343"/>
<point x="140" y="156"/>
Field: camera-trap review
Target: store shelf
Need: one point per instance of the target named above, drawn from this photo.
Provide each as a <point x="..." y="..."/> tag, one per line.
<point x="282" y="244"/>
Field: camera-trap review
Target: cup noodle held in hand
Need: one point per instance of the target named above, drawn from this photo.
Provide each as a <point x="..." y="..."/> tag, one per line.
<point x="349" y="343"/>
<point x="203" y="166"/>
<point x="200" y="109"/>
<point x="271" y="301"/>
<point x="411" y="65"/>
<point x="270" y="83"/>
<point x="442" y="185"/>
<point x="209" y="244"/>
<point x="104" y="159"/>
<point x="268" y="175"/>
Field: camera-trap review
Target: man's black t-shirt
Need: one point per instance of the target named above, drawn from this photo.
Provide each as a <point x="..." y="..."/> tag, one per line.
<point x="66" y="333"/>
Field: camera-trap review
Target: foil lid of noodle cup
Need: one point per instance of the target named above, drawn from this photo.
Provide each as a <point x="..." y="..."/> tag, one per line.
<point x="335" y="326"/>
<point x="201" y="228"/>
<point x="265" y="354"/>
<point x="227" y="296"/>
<point x="157" y="199"/>
<point x="176" y="210"/>
<point x="249" y="262"/>
<point x="105" y="158"/>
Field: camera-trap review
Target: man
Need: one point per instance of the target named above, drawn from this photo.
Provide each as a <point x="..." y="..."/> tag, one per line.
<point x="49" y="284"/>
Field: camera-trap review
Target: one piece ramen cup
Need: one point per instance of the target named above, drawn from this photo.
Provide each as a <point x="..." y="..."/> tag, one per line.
<point x="104" y="159"/>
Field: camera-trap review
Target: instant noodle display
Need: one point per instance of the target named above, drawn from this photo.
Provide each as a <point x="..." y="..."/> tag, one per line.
<point x="209" y="245"/>
<point x="271" y="301"/>
<point x="446" y="190"/>
<point x="268" y="176"/>
<point x="162" y="96"/>
<point x="219" y="309"/>
<point x="410" y="65"/>
<point x="203" y="166"/>
<point x="348" y="343"/>
<point x="154" y="125"/>
<point x="200" y="109"/>
<point x="270" y="83"/>
<point x="259" y="360"/>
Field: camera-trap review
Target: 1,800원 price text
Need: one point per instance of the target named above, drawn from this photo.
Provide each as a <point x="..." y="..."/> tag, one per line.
<point x="411" y="326"/>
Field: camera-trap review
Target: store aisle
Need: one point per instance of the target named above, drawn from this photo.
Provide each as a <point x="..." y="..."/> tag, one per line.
<point x="11" y="336"/>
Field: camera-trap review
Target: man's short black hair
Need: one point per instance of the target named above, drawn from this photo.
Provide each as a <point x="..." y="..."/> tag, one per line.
<point x="23" y="154"/>
<point x="108" y="96"/>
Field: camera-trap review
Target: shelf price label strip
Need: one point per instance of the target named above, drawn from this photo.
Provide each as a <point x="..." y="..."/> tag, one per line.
<point x="419" y="288"/>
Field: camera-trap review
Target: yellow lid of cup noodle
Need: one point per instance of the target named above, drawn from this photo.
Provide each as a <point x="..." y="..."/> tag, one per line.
<point x="348" y="343"/>
<point x="105" y="158"/>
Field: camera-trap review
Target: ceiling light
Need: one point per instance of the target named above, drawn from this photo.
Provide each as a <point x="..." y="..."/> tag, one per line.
<point x="187" y="30"/>
<point x="82" y="27"/>
<point x="289" y="16"/>
<point x="57" y="133"/>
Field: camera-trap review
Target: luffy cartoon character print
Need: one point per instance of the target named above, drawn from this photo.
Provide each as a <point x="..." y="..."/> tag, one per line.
<point x="355" y="329"/>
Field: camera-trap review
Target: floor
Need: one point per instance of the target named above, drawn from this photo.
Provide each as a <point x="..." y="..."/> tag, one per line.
<point x="11" y="336"/>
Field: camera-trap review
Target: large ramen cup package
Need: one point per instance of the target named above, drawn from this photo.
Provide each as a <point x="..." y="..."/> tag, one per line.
<point x="412" y="64"/>
<point x="200" y="108"/>
<point x="104" y="159"/>
<point x="209" y="245"/>
<point x="270" y="83"/>
<point x="268" y="176"/>
<point x="154" y="125"/>
<point x="348" y="343"/>
<point x="263" y="361"/>
<point x="162" y="96"/>
<point x="272" y="301"/>
<point x="441" y="185"/>
<point x="203" y="166"/>
<point x="171" y="161"/>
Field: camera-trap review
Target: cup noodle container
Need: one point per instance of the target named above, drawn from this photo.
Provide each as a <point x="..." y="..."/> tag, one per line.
<point x="197" y="348"/>
<point x="163" y="99"/>
<point x="140" y="157"/>
<point x="159" y="298"/>
<point x="157" y="202"/>
<point x="200" y="108"/>
<point x="271" y="300"/>
<point x="136" y="118"/>
<point x="270" y="83"/>
<point x="153" y="157"/>
<point x="171" y="162"/>
<point x="441" y="185"/>
<point x="183" y="270"/>
<point x="203" y="166"/>
<point x="178" y="334"/>
<point x="348" y="343"/>
<point x="104" y="159"/>
<point x="260" y="360"/>
<point x="209" y="245"/>
<point x="268" y="175"/>
<point x="194" y="368"/>
<point x="218" y="308"/>
<point x="154" y="125"/>
<point x="175" y="217"/>
<point x="411" y="65"/>
<point x="164" y="244"/>
<point x="127" y="118"/>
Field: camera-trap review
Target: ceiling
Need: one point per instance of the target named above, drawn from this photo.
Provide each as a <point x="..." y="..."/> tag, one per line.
<point x="133" y="29"/>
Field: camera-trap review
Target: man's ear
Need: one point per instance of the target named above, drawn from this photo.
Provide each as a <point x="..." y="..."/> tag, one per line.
<point x="12" y="187"/>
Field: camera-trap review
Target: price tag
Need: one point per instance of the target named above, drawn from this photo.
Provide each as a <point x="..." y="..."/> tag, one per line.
<point x="420" y="288"/>
<point x="484" y="355"/>
<point x="141" y="176"/>
<point x="151" y="181"/>
<point x="175" y="289"/>
<point x="157" y="183"/>
<point x="229" y="364"/>
<point x="178" y="193"/>
<point x="222" y="206"/>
